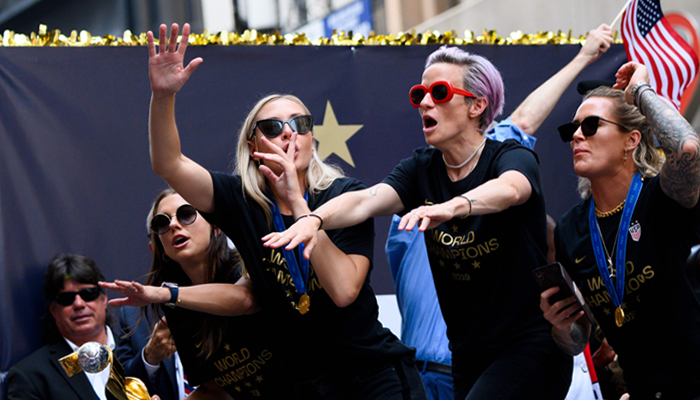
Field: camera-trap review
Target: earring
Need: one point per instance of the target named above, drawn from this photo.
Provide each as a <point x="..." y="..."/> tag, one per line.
<point x="625" y="158"/>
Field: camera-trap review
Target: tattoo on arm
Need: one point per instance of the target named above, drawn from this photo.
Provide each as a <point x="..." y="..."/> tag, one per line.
<point x="373" y="191"/>
<point x="573" y="343"/>
<point x="680" y="174"/>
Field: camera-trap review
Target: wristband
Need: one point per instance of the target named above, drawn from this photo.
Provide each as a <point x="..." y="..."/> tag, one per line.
<point x="174" y="294"/>
<point x="313" y="214"/>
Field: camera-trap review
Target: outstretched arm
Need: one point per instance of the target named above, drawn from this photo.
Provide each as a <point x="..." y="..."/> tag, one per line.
<point x="680" y="174"/>
<point x="348" y="209"/>
<point x="168" y="74"/>
<point x="510" y="189"/>
<point x="214" y="298"/>
<point x="532" y="112"/>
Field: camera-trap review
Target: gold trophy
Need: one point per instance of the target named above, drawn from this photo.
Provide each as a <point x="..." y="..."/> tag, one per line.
<point x="93" y="357"/>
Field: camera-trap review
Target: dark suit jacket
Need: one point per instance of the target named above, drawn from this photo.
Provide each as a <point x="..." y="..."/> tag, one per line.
<point x="129" y="350"/>
<point x="41" y="377"/>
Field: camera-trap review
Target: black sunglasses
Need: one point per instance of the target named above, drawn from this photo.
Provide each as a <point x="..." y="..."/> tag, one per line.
<point x="589" y="126"/>
<point x="186" y="215"/>
<point x="87" y="294"/>
<point x="273" y="127"/>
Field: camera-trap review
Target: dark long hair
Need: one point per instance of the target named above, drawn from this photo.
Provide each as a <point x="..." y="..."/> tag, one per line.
<point x="221" y="262"/>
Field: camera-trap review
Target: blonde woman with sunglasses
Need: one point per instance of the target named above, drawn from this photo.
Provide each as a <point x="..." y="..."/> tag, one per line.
<point x="626" y="242"/>
<point x="323" y="311"/>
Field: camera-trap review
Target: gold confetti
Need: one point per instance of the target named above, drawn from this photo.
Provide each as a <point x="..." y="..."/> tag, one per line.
<point x="54" y="38"/>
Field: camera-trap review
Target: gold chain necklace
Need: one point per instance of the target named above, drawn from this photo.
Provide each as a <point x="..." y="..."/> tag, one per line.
<point x="603" y="214"/>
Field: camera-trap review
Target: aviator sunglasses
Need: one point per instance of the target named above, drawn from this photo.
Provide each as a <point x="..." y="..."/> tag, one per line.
<point x="87" y="294"/>
<point x="186" y="215"/>
<point x="440" y="91"/>
<point x="589" y="126"/>
<point x="273" y="127"/>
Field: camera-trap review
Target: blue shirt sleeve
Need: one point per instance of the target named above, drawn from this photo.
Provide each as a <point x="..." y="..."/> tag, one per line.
<point x="506" y="129"/>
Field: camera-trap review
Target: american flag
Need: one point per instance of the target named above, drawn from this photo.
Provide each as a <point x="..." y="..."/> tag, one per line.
<point x="650" y="40"/>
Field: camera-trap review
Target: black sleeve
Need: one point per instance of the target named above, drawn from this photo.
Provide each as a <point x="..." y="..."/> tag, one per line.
<point x="523" y="160"/>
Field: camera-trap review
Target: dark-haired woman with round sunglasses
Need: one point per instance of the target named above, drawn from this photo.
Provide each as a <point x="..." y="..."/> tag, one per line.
<point x="189" y="252"/>
<point x="322" y="309"/>
<point x="481" y="205"/>
<point x="626" y="243"/>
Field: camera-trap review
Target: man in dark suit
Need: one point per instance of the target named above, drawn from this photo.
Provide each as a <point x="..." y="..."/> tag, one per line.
<point x="78" y="309"/>
<point x="150" y="358"/>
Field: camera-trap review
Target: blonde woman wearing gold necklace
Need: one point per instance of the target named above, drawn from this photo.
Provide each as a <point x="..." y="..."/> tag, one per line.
<point x="626" y="243"/>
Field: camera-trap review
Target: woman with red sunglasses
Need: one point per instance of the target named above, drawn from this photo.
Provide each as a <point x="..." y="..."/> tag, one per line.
<point x="481" y="205"/>
<point x="322" y="309"/>
<point x="626" y="243"/>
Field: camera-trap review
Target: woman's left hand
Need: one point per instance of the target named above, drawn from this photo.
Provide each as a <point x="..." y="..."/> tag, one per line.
<point x="287" y="183"/>
<point x="136" y="294"/>
<point x="629" y="75"/>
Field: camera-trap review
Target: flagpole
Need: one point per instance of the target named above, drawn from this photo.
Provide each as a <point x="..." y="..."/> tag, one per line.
<point x="619" y="15"/>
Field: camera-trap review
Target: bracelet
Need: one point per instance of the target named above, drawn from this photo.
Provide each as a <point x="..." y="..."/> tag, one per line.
<point x="638" y="89"/>
<point x="469" y="201"/>
<point x="313" y="214"/>
<point x="640" y="93"/>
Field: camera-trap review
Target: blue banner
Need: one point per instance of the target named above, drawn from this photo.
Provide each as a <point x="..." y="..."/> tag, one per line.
<point x="75" y="174"/>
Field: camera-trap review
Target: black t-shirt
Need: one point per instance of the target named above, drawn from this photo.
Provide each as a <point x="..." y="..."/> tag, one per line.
<point x="246" y="364"/>
<point x="327" y="337"/>
<point x="659" y="341"/>
<point x="482" y="264"/>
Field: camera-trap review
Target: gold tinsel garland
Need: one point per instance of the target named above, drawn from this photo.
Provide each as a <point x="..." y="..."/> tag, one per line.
<point x="252" y="37"/>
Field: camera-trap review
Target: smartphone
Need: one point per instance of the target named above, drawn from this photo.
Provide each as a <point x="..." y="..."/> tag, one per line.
<point x="554" y="274"/>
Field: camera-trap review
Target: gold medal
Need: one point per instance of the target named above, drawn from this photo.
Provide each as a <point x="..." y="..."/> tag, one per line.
<point x="619" y="316"/>
<point x="304" y="303"/>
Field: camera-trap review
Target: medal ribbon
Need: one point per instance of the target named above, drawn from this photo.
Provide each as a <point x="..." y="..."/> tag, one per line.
<point x="298" y="270"/>
<point x="616" y="292"/>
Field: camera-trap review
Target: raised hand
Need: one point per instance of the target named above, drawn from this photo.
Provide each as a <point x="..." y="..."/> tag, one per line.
<point x="629" y="75"/>
<point x="166" y="68"/>
<point x="136" y="294"/>
<point x="598" y="42"/>
<point x="287" y="182"/>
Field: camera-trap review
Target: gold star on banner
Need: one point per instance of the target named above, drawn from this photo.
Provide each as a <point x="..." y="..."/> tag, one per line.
<point x="476" y="264"/>
<point x="455" y="228"/>
<point x="227" y="347"/>
<point x="332" y="138"/>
